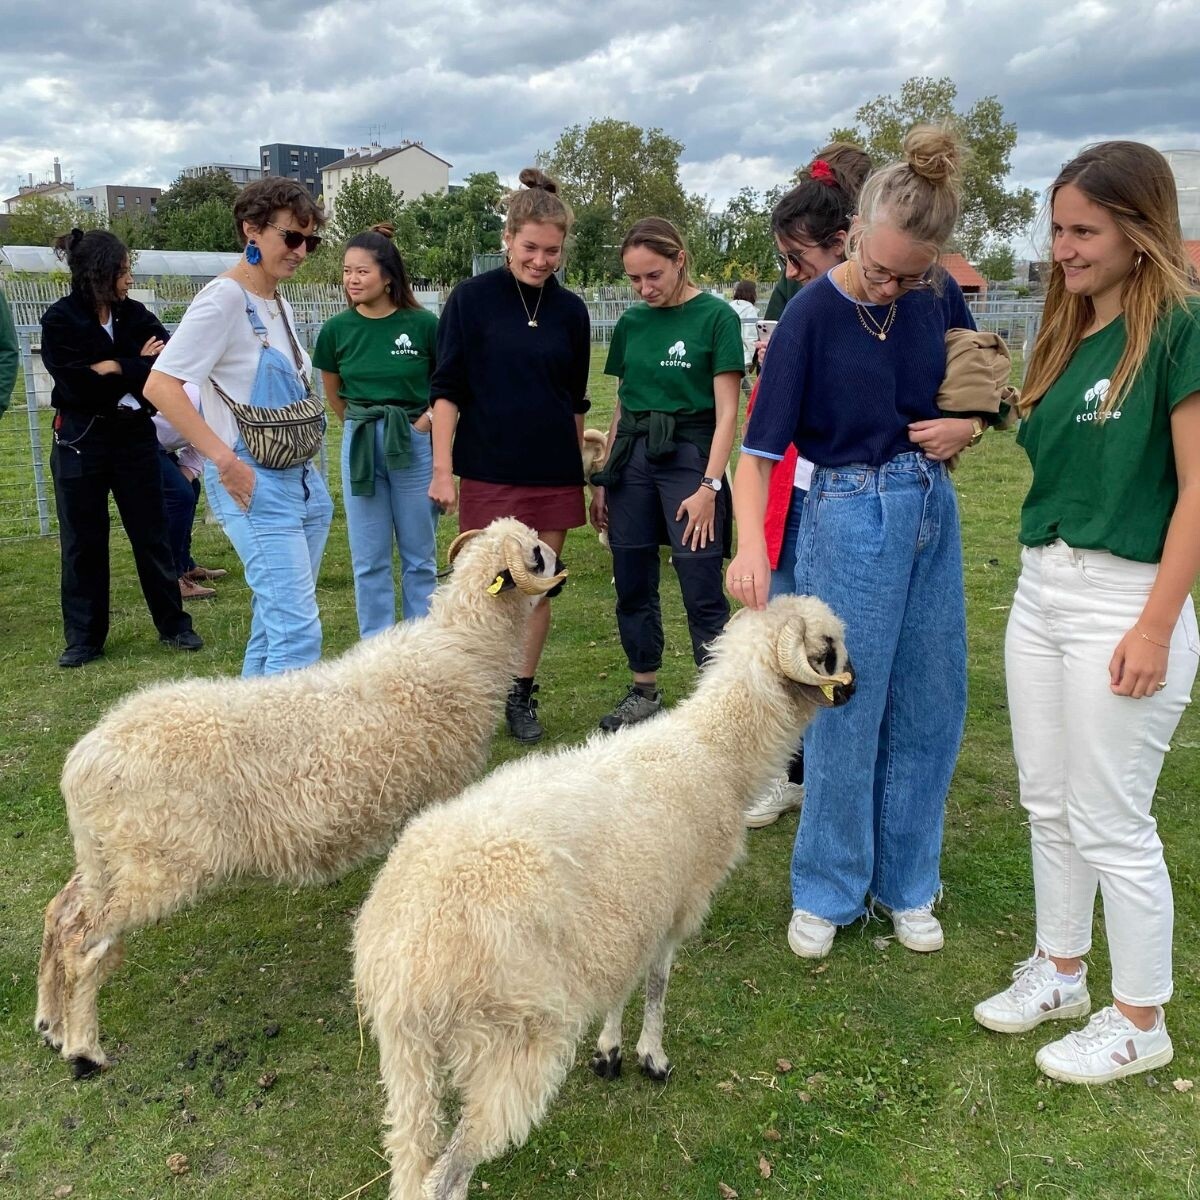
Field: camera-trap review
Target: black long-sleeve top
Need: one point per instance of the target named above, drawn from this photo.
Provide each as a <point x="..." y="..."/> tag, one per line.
<point x="73" y="339"/>
<point x="518" y="389"/>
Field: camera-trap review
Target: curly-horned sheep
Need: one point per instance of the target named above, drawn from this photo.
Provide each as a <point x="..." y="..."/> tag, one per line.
<point x="507" y="919"/>
<point x="292" y="778"/>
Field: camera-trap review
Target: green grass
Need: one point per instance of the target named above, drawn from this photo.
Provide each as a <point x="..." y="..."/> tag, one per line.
<point x="893" y="1090"/>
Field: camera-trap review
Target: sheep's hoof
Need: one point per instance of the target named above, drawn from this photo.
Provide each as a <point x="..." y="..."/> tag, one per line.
<point x="52" y="1040"/>
<point x="85" y="1068"/>
<point x="652" y="1070"/>
<point x="607" y="1065"/>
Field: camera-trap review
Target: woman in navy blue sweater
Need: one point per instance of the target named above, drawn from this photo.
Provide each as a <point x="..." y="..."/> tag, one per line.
<point x="855" y="364"/>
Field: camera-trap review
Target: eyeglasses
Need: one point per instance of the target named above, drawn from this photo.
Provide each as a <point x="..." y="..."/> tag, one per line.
<point x="293" y="238"/>
<point x="791" y="257"/>
<point x="906" y="283"/>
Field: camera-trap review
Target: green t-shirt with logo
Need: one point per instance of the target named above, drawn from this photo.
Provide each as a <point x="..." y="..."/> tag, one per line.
<point x="666" y="358"/>
<point x="381" y="360"/>
<point x="1110" y="484"/>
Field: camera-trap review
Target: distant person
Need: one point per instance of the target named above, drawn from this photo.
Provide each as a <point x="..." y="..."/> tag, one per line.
<point x="509" y="396"/>
<point x="678" y="357"/>
<point x="238" y="341"/>
<point x="10" y="356"/>
<point x="376" y="359"/>
<point x="1101" y="651"/>
<point x="745" y="305"/>
<point x="98" y="346"/>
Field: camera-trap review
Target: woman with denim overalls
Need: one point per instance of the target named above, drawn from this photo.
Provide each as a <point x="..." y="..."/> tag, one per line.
<point x="237" y="339"/>
<point x="854" y="366"/>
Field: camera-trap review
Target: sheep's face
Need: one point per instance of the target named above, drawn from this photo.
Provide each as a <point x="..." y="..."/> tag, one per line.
<point x="512" y="557"/>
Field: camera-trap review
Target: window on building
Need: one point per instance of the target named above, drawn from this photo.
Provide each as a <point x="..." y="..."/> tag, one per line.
<point x="120" y="201"/>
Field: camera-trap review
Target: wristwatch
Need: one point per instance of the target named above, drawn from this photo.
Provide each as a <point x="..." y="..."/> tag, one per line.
<point x="713" y="485"/>
<point x="978" y="424"/>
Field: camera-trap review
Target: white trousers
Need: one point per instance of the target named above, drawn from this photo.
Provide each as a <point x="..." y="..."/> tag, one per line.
<point x="1088" y="761"/>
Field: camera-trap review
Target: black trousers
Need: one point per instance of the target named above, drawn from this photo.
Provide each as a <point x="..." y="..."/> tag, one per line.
<point x="93" y="458"/>
<point x="641" y="516"/>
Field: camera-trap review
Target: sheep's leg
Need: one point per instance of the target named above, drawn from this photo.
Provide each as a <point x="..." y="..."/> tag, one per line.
<point x="652" y="1058"/>
<point x="51" y="984"/>
<point x="413" y="1117"/>
<point x="606" y="1061"/>
<point x="505" y="1091"/>
<point x="87" y="962"/>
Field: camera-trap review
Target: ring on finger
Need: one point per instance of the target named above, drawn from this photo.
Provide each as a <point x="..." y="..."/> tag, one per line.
<point x="1162" y="683"/>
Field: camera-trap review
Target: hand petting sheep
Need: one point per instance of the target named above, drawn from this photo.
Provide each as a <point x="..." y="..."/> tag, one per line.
<point x="510" y="917"/>
<point x="292" y="778"/>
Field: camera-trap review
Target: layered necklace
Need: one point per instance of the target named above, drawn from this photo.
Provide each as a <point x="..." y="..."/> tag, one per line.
<point x="877" y="329"/>
<point x="530" y="318"/>
<point x="271" y="312"/>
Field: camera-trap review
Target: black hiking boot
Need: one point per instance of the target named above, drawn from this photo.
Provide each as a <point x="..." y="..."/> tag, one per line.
<point x="520" y="711"/>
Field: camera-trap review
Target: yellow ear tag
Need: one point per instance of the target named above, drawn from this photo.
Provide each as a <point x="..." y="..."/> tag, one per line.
<point x="495" y="587"/>
<point x="827" y="691"/>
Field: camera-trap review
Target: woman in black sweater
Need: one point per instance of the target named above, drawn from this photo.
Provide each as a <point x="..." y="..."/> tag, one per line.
<point x="98" y="346"/>
<point x="510" y="392"/>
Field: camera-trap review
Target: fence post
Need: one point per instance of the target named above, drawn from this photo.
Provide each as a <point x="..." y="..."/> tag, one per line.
<point x="35" y="434"/>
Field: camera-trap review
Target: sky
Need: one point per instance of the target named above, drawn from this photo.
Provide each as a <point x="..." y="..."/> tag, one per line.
<point x="129" y="91"/>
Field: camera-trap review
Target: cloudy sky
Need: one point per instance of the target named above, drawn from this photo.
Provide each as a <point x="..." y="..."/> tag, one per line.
<point x="130" y="91"/>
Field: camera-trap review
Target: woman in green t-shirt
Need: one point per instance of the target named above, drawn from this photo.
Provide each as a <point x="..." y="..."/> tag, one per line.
<point x="376" y="359"/>
<point x="1102" y="646"/>
<point x="678" y="357"/>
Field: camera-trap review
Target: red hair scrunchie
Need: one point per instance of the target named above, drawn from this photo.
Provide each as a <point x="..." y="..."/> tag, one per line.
<point x="822" y="172"/>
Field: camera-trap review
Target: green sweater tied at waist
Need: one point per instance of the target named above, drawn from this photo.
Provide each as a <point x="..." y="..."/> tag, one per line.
<point x="661" y="431"/>
<point x="397" y="441"/>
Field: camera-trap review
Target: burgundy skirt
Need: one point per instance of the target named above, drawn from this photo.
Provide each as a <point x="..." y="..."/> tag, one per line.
<point x="551" y="508"/>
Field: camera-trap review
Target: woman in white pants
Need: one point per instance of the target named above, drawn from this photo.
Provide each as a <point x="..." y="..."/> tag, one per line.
<point x="1102" y="645"/>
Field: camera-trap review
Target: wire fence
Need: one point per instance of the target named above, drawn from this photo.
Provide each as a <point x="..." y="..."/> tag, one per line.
<point x="26" y="436"/>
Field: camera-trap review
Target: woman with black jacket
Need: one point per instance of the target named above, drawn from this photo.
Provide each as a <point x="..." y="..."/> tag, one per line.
<point x="98" y="346"/>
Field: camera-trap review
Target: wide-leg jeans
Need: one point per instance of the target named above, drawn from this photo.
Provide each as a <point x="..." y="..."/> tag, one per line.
<point x="881" y="546"/>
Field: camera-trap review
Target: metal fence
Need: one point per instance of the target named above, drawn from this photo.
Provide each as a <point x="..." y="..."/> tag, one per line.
<point x="26" y="494"/>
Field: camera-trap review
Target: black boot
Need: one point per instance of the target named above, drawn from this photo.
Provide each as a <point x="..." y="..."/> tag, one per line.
<point x="520" y="710"/>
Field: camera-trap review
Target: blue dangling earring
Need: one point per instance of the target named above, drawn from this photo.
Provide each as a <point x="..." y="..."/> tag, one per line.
<point x="253" y="254"/>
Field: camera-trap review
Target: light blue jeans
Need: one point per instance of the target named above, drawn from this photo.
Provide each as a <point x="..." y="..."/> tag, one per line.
<point x="280" y="539"/>
<point x="881" y="546"/>
<point x="399" y="510"/>
<point x="783" y="578"/>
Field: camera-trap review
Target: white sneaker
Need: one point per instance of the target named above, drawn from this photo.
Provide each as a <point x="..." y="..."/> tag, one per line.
<point x="782" y="796"/>
<point x="1108" y="1047"/>
<point x="1037" y="994"/>
<point x="918" y="929"/>
<point x="810" y="936"/>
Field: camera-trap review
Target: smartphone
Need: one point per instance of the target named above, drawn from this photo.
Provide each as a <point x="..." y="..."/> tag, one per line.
<point x="764" y="329"/>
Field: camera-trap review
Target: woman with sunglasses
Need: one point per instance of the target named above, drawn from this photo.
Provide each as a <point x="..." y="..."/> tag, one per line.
<point x="277" y="519"/>
<point x="854" y="366"/>
<point x="810" y="224"/>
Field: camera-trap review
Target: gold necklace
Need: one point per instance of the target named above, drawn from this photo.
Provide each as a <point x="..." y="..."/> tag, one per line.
<point x="530" y="320"/>
<point x="876" y="329"/>
<point x="271" y="312"/>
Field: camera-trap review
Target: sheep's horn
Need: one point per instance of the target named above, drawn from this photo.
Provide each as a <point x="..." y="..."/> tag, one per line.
<point x="526" y="581"/>
<point x="789" y="649"/>
<point x="459" y="542"/>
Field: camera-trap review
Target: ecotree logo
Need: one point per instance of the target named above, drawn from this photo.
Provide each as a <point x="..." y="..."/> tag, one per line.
<point x="404" y="346"/>
<point x="1093" y="401"/>
<point x="676" y="357"/>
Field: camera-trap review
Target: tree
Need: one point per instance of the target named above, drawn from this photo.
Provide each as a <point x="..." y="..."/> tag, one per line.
<point x="38" y="220"/>
<point x="208" y="225"/>
<point x="988" y="211"/>
<point x="997" y="264"/>
<point x="443" y="233"/>
<point x="362" y="201"/>
<point x="189" y="192"/>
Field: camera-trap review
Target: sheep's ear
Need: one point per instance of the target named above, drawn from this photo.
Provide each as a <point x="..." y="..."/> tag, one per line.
<point x="502" y="583"/>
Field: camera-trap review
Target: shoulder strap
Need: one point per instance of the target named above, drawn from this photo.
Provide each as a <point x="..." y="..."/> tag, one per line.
<point x="299" y="358"/>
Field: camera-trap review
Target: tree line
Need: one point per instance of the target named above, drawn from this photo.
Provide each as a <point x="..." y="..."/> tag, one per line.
<point x="611" y="172"/>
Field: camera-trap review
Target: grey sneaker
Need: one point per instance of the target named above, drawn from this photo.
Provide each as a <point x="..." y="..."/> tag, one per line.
<point x="633" y="707"/>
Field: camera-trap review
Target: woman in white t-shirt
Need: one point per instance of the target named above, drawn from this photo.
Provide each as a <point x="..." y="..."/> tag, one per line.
<point x="745" y="304"/>
<point x="277" y="520"/>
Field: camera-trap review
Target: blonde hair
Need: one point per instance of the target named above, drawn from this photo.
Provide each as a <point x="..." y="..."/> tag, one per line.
<point x="1133" y="183"/>
<point x="919" y="195"/>
<point x="659" y="236"/>
<point x="537" y="200"/>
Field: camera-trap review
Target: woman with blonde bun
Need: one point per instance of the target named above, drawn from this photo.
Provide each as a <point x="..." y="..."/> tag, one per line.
<point x="509" y="396"/>
<point x="376" y="360"/>
<point x="850" y="380"/>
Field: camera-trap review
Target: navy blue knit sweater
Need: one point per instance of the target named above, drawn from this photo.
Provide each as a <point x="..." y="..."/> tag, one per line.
<point x="842" y="396"/>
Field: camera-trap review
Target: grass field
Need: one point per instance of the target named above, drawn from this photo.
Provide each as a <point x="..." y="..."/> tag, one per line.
<point x="233" y="1027"/>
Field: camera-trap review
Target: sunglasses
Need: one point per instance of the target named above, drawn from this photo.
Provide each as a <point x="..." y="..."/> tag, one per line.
<point x="293" y="239"/>
<point x="797" y="260"/>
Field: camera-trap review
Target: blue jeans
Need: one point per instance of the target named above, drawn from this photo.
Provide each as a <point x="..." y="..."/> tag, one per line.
<point x="280" y="539"/>
<point x="783" y="578"/>
<point x="180" y="497"/>
<point x="881" y="546"/>
<point x="400" y="509"/>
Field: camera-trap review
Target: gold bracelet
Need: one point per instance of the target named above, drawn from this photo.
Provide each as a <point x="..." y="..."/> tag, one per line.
<point x="1160" y="645"/>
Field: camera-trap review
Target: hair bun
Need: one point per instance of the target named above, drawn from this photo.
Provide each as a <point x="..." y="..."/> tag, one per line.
<point x="532" y="177"/>
<point x="934" y="152"/>
<point x="386" y="228"/>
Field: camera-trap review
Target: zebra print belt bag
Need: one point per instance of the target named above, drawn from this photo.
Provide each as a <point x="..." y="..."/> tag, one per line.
<point x="283" y="423"/>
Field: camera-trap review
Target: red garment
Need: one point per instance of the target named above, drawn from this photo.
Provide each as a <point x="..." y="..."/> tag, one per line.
<point x="779" y="493"/>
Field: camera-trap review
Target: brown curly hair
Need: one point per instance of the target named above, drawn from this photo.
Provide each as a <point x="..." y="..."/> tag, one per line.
<point x="258" y="200"/>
